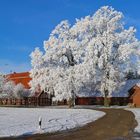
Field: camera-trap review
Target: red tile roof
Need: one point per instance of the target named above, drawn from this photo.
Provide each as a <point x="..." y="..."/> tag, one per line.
<point x="23" y="78"/>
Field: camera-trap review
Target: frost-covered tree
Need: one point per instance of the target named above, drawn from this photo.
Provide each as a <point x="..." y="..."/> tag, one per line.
<point x="20" y="91"/>
<point x="113" y="47"/>
<point x="2" y="81"/>
<point x="8" y="88"/>
<point x="92" y="55"/>
<point x="37" y="64"/>
<point x="58" y="63"/>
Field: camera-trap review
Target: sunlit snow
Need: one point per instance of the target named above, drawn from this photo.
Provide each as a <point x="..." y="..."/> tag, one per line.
<point x="24" y="121"/>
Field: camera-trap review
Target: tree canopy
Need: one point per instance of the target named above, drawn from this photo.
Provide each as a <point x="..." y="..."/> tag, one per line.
<point x="89" y="57"/>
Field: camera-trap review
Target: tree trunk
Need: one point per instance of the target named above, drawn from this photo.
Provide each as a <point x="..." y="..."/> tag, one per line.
<point x="71" y="102"/>
<point x="106" y="100"/>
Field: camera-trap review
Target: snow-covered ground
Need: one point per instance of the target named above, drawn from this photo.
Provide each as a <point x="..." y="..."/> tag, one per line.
<point x="136" y="112"/>
<point x="24" y="121"/>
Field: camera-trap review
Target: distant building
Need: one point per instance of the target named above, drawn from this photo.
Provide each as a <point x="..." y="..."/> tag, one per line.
<point x="135" y="95"/>
<point x="23" y="78"/>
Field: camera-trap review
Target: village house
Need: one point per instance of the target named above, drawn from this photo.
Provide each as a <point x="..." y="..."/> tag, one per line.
<point x="134" y="93"/>
<point x="23" y="78"/>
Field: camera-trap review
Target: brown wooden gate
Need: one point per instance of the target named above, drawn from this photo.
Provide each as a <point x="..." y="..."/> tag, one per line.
<point x="43" y="99"/>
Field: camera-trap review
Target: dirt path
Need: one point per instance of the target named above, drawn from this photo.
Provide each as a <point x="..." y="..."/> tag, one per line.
<point x="117" y="124"/>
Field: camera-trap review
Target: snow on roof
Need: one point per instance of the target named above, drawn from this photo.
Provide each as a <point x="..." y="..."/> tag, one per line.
<point x="87" y="94"/>
<point x="123" y="92"/>
<point x="138" y="84"/>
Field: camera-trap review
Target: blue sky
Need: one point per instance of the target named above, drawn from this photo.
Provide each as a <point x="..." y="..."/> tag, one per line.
<point x="25" y="24"/>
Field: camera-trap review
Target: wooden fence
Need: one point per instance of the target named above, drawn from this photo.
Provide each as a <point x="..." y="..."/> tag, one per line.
<point x="30" y="101"/>
<point x="39" y="101"/>
<point x="100" y="100"/>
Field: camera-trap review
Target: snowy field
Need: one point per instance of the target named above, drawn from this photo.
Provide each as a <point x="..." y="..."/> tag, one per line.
<point x="24" y="121"/>
<point x="136" y="112"/>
